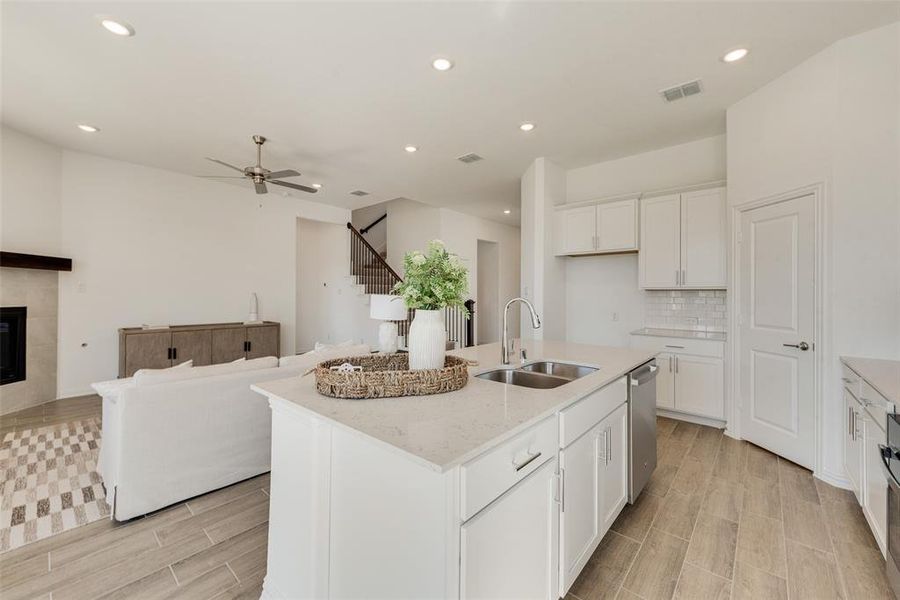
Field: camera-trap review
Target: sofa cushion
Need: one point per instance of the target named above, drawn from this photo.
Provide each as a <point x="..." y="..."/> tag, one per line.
<point x="310" y="359"/>
<point x="155" y="376"/>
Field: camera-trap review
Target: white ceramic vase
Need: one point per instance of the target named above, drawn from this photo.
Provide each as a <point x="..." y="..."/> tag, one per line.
<point x="427" y="343"/>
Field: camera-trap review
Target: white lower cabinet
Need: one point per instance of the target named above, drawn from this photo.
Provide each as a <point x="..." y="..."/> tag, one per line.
<point x="853" y="457"/>
<point x="699" y="386"/>
<point x="510" y="549"/>
<point x="874" y="502"/>
<point x="594" y="473"/>
<point x="665" y="380"/>
<point x="691" y="376"/>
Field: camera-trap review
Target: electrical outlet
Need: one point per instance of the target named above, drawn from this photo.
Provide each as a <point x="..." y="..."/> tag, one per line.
<point x="615" y="316"/>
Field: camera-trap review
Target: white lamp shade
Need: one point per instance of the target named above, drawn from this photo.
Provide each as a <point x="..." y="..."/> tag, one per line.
<point x="387" y="308"/>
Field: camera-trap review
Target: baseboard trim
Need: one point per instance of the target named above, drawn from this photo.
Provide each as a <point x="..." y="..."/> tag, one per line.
<point x="680" y="416"/>
<point x="833" y="479"/>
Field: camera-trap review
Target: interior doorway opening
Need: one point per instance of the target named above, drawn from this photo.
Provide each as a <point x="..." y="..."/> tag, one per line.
<point x="487" y="320"/>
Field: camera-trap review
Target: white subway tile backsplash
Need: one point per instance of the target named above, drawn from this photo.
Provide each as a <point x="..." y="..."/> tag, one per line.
<point x="697" y="310"/>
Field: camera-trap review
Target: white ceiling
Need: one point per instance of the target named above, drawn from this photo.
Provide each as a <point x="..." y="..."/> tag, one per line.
<point x="341" y="88"/>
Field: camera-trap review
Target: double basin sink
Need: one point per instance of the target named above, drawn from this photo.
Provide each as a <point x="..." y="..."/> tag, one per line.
<point x="543" y="375"/>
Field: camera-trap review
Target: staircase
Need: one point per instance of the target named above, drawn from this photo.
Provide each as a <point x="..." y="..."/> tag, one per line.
<point x="375" y="276"/>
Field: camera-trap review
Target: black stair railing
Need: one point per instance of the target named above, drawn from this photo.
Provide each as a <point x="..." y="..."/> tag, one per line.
<point x="377" y="277"/>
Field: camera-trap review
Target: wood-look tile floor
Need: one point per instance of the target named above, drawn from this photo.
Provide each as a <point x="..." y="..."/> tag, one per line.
<point x="719" y="519"/>
<point x="212" y="546"/>
<point x="722" y="518"/>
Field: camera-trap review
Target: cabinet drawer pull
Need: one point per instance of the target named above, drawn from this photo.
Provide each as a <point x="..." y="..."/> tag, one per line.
<point x="531" y="458"/>
<point x="674" y="346"/>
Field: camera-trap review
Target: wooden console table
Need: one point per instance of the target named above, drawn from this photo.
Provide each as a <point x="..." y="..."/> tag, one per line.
<point x="204" y="344"/>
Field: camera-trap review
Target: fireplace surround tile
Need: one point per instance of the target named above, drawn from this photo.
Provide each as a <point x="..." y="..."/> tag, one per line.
<point x="39" y="291"/>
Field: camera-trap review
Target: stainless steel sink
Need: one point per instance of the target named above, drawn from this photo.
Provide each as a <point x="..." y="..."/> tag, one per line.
<point x="524" y="379"/>
<point x="564" y="370"/>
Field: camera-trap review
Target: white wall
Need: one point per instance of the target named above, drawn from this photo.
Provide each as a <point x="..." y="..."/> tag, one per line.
<point x="543" y="274"/>
<point x="330" y="308"/>
<point x="835" y="120"/>
<point x="461" y="232"/>
<point x="683" y="165"/>
<point x="487" y="297"/>
<point x="152" y="246"/>
<point x="410" y="226"/>
<point x="363" y="217"/>
<point x="596" y="289"/>
<point x="29" y="194"/>
<point x="598" y="286"/>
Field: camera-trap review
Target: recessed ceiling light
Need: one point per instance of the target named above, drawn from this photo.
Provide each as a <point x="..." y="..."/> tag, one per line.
<point x="410" y="149"/>
<point x="317" y="185"/>
<point x="88" y="128"/>
<point x="526" y="126"/>
<point x="507" y="211"/>
<point x="117" y="27"/>
<point x="442" y="64"/>
<point x="735" y="55"/>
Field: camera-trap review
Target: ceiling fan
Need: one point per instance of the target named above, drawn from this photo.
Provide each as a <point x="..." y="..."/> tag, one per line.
<point x="259" y="175"/>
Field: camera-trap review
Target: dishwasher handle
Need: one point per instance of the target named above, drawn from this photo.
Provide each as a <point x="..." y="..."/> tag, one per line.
<point x="643" y="374"/>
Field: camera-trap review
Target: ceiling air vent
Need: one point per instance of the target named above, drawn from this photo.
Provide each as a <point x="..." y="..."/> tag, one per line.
<point x="469" y="158"/>
<point x="359" y="193"/>
<point x="683" y="90"/>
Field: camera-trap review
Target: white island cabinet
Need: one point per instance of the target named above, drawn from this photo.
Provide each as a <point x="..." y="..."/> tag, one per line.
<point x="457" y="495"/>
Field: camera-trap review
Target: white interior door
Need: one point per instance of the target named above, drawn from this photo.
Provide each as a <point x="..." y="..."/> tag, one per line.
<point x="777" y="324"/>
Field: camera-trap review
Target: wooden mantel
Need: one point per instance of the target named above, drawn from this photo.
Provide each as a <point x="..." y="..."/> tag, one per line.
<point x="34" y="261"/>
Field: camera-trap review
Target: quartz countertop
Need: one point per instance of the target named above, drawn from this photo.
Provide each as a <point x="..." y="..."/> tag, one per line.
<point x="716" y="336"/>
<point x="881" y="374"/>
<point x="441" y="431"/>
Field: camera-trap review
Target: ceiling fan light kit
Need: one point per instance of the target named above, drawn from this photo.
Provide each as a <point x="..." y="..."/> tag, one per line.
<point x="260" y="176"/>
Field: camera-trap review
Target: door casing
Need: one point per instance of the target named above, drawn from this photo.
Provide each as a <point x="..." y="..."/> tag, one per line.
<point x="822" y="322"/>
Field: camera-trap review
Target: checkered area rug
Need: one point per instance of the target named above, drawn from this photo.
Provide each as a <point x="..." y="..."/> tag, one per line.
<point x="50" y="482"/>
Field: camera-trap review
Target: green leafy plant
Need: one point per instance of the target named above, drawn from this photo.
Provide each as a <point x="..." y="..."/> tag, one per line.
<point x="433" y="279"/>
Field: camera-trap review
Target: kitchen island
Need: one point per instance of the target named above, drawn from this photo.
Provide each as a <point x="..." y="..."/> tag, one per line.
<point x="454" y="495"/>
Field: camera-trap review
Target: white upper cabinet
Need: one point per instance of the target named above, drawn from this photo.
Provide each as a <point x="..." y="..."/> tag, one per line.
<point x="578" y="232"/>
<point x="596" y="229"/>
<point x="660" y="257"/>
<point x="683" y="241"/>
<point x="703" y="239"/>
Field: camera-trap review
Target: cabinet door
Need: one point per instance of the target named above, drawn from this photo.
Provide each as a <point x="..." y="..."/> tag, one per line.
<point x="263" y="341"/>
<point x="617" y="226"/>
<point x="580" y="469"/>
<point x="875" y="495"/>
<point x="192" y="345"/>
<point x="614" y="469"/>
<point x="579" y="229"/>
<point x="852" y="453"/>
<point x="659" y="261"/>
<point x="703" y="224"/>
<point x="228" y="344"/>
<point x="511" y="548"/>
<point x="665" y="381"/>
<point x="698" y="385"/>
<point x="147" y="351"/>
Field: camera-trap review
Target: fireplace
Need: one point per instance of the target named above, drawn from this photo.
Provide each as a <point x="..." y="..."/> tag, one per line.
<point x="12" y="344"/>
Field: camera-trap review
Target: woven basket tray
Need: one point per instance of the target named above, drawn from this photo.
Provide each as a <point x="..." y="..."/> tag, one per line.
<point x="388" y="375"/>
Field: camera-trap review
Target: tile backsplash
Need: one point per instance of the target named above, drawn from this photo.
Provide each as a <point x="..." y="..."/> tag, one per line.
<point x="697" y="310"/>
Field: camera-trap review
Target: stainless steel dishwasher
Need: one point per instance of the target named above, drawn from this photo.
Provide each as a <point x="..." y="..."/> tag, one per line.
<point x="641" y="427"/>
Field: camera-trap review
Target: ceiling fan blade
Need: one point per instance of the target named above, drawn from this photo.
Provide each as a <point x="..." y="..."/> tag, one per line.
<point x="260" y="188"/>
<point x="225" y="164"/>
<point x="280" y="174"/>
<point x="295" y="186"/>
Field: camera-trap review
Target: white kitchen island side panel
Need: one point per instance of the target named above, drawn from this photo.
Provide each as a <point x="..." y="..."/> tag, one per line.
<point x="373" y="525"/>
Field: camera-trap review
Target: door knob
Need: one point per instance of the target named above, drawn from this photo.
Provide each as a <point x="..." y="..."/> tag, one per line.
<point x="802" y="346"/>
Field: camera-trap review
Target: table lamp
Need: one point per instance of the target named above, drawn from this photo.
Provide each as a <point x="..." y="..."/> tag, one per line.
<point x="388" y="309"/>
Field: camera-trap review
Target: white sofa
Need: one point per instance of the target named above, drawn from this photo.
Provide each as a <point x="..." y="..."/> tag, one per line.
<point x="167" y="438"/>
